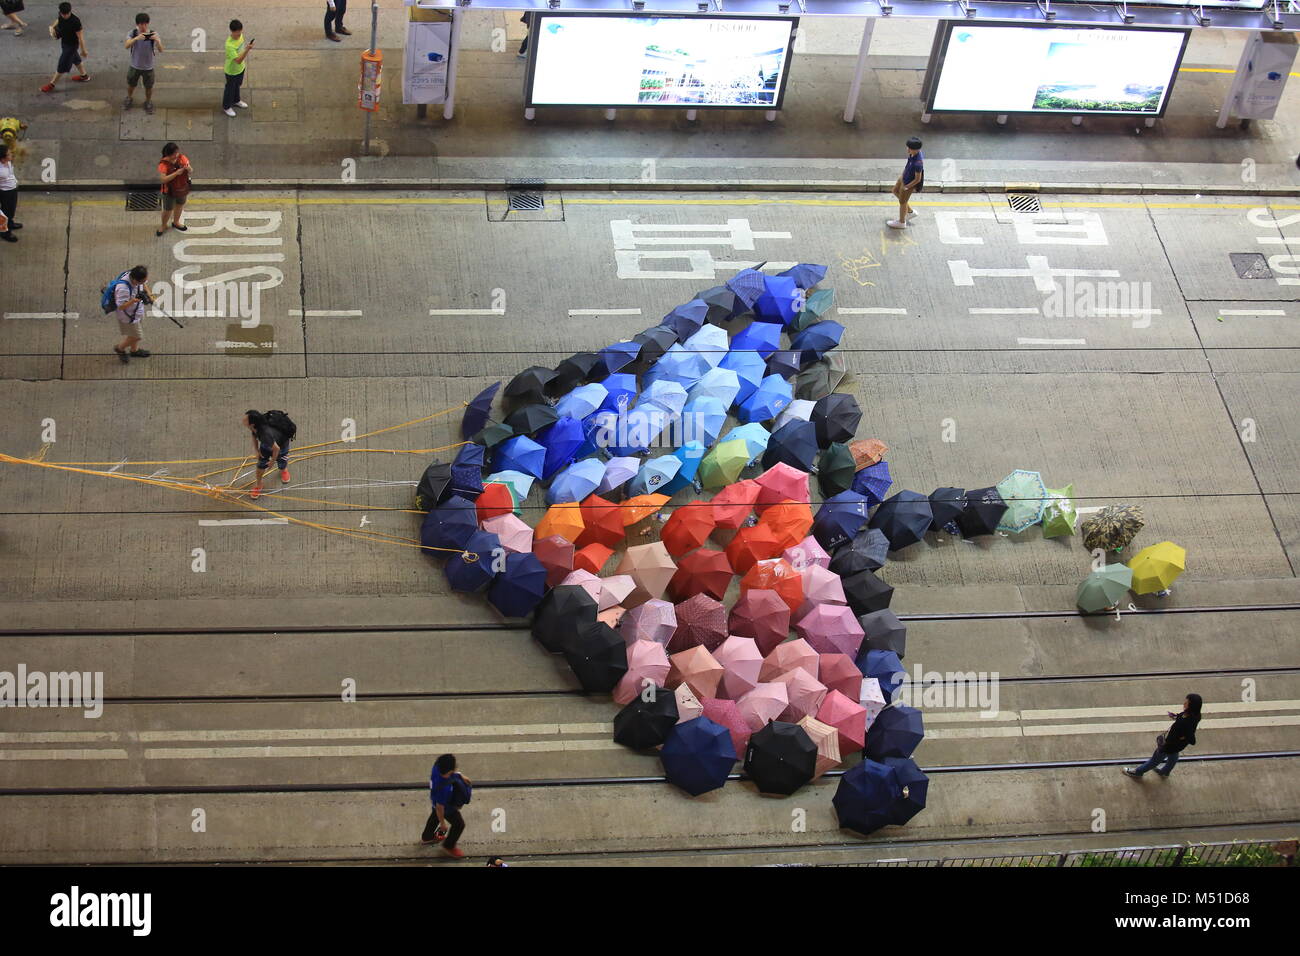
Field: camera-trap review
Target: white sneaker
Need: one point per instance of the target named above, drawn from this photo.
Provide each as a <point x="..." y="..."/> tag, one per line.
<point x="911" y="214"/>
<point x="895" y="224"/>
<point x="242" y="105"/>
<point x="228" y="111"/>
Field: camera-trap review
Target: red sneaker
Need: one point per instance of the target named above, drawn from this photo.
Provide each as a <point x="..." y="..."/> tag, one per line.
<point x="257" y="490"/>
<point x="454" y="851"/>
<point x="47" y="88"/>
<point x="84" y="78"/>
<point x="284" y="475"/>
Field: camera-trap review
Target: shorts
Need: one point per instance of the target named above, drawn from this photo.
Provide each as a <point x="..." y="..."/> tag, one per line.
<point x="264" y="453"/>
<point x="170" y="202"/>
<point x="131" y="330"/>
<point x="67" y="58"/>
<point x="134" y="76"/>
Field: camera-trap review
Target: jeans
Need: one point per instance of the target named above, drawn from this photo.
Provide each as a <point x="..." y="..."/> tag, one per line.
<point x="455" y="826"/>
<point x="9" y="205"/>
<point x="334" y="18"/>
<point x="1157" y="758"/>
<point x="231" y="95"/>
<point x="264" y="456"/>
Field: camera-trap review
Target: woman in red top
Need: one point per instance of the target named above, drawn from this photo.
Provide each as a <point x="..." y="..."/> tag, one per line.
<point x="174" y="172"/>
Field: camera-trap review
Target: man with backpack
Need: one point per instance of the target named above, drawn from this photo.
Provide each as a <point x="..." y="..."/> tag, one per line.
<point x="272" y="433"/>
<point x="125" y="298"/>
<point x="448" y="792"/>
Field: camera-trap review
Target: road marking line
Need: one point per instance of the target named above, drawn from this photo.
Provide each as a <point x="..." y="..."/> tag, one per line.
<point x="209" y="523"/>
<point x="1068" y="730"/>
<point x="467" y="311"/>
<point x="62" y="754"/>
<point x="325" y="313"/>
<point x="376" y="750"/>
<point x="1031" y="310"/>
<point x="1069" y="713"/>
<point x="42" y="315"/>
<point x="1114" y="313"/>
<point x="573" y="312"/>
<point x="1252" y="312"/>
<point x="872" y="311"/>
<point x="369" y="733"/>
<point x="1051" y="341"/>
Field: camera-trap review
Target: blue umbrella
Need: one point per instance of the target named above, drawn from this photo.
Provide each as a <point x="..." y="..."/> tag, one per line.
<point x="686" y="319"/>
<point x="476" y="412"/>
<point x="839" y="518"/>
<point x="710" y="343"/>
<point x="784" y="362"/>
<point x="654" y="474"/>
<point x="805" y="274"/>
<point x="471" y="570"/>
<point x="755" y="435"/>
<point x="762" y="337"/>
<point x="873" y="481"/>
<point x="750" y="370"/>
<point x="669" y="396"/>
<point x="767" y="401"/>
<point x="618" y="471"/>
<point x="818" y="339"/>
<point x="582" y="401"/>
<point x="895" y="732"/>
<point x="522" y="483"/>
<point x="632" y="433"/>
<point x="748" y="285"/>
<point x="780" y="302"/>
<point x="520" y="587"/>
<point x="698" y="755"/>
<point x="720" y="383"/>
<point x="794" y="443"/>
<point x="576" y="482"/>
<point x="690" y="456"/>
<point x="914" y="782"/>
<point x="521" y="453"/>
<point x="679" y="365"/>
<point x="619" y="355"/>
<point x="450" y="525"/>
<point x="703" y="419"/>
<point x="621" y="389"/>
<point x="885" y="667"/>
<point x="467" y="471"/>
<point x="561" y="441"/>
<point x="865" y="799"/>
<point x="904" y="518"/>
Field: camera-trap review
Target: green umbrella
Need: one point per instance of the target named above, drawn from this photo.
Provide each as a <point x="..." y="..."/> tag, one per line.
<point x="836" y="469"/>
<point x="724" y="463"/>
<point x="494" y="434"/>
<point x="816" y="305"/>
<point x="1103" y="588"/>
<point x="820" y="378"/>
<point x="1059" y="517"/>
<point x="1026" y="496"/>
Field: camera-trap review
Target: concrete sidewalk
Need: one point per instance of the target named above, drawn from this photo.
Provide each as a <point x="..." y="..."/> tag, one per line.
<point x="304" y="127"/>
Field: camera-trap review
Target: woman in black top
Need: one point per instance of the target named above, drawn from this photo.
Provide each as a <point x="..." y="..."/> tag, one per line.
<point x="272" y="434"/>
<point x="1181" y="734"/>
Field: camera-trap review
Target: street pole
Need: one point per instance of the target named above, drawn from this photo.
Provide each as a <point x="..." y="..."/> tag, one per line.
<point x="374" y="32"/>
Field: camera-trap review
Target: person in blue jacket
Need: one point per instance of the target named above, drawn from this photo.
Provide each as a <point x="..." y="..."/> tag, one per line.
<point x="448" y="792"/>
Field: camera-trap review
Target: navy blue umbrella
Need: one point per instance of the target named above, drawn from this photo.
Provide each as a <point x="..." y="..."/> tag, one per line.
<point x="643" y="723"/>
<point x="818" y="339"/>
<point x="794" y="443"/>
<point x="471" y="570"/>
<point x="761" y="337"/>
<point x="867" y="797"/>
<point x="561" y="615"/>
<point x="784" y="362"/>
<point x="598" y="656"/>
<point x="520" y="587"/>
<point x="780" y="302"/>
<point x="885" y="667"/>
<point x="805" y="274"/>
<point x="467" y="470"/>
<point x="866" y="592"/>
<point x="698" y="755"/>
<point x="915" y="787"/>
<point x="532" y="418"/>
<point x="984" y="510"/>
<point x="840" y="518"/>
<point x="748" y="285"/>
<point x="531" y="384"/>
<point x="896" y="732"/>
<point x="450" y="525"/>
<point x="866" y="552"/>
<point x="619" y="355"/>
<point x="723" y="304"/>
<point x="476" y="412"/>
<point x="873" y="481"/>
<point x="561" y="441"/>
<point x="686" y="319"/>
<point x="904" y="518"/>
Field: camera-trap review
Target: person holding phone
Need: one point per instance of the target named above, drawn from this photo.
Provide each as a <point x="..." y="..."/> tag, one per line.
<point x="1181" y="734"/>
<point x="174" y="173"/>
<point x="237" y="50"/>
<point x="143" y="44"/>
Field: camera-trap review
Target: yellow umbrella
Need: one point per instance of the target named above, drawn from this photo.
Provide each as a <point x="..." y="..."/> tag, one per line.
<point x="642" y="506"/>
<point x="564" y="520"/>
<point x="1156" y="566"/>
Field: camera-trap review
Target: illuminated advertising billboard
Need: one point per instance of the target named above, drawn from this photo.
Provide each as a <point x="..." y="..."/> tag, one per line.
<point x="996" y="68"/>
<point x="690" y="62"/>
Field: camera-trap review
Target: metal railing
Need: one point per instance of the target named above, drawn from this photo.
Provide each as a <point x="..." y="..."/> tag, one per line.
<point x="1250" y="853"/>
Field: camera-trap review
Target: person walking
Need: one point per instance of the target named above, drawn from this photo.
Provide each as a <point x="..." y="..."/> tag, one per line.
<point x="912" y="181"/>
<point x="334" y="10"/>
<point x="1181" y="734"/>
<point x="273" y="432"/>
<point x="131" y="294"/>
<point x="143" y="44"/>
<point x="174" y="172"/>
<point x="8" y="195"/>
<point x="72" y="44"/>
<point x="11" y="9"/>
<point x="237" y="51"/>
<point x="448" y="792"/>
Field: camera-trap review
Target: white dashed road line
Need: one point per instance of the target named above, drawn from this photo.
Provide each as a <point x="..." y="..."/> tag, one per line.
<point x="326" y="313"/>
<point x="215" y="523"/>
<point x="872" y="311"/>
<point x="1252" y="312"/>
<point x="467" y="311"/>
<point x="573" y="312"/>
<point x="42" y="315"/>
<point x="1051" y="341"/>
<point x="1031" y="310"/>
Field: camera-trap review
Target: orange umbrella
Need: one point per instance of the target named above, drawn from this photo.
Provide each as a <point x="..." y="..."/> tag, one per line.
<point x="603" y="522"/>
<point x="867" y="452"/>
<point x="751" y="545"/>
<point x="495" y="500"/>
<point x="564" y="520"/>
<point x="790" y="520"/>
<point x="732" y="505"/>
<point x="776" y="574"/>
<point x="696" y="668"/>
<point x="642" y="506"/>
<point x="592" y="558"/>
<point x="687" y="529"/>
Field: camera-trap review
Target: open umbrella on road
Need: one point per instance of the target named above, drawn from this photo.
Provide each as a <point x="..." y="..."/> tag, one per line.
<point x="556" y="555"/>
<point x="476" y="411"/>
<point x="748" y="285"/>
<point x="561" y="615"/>
<point x="698" y="755"/>
<point x="619" y="355"/>
<point x="776" y="574"/>
<point x="647" y="666"/>
<point x="780" y="758"/>
<point x="1112" y="528"/>
<point x="434" y="487"/>
<point x="701" y="622"/>
<point x="687" y="528"/>
<point x="865" y="799"/>
<point x="799" y="410"/>
<point x="640" y="507"/>
<point x="946" y="504"/>
<point x="780" y="301"/>
<point x="873" y="481"/>
<point x="703" y="571"/>
<point x="835" y="470"/>
<point x="766" y="402"/>
<point x="866" y="592"/>
<point x="820" y="586"/>
<point x="820" y="378"/>
<point x="722" y="383"/>
<point x="618" y="471"/>
<point x="831" y="629"/>
<point x="690" y="455"/>
<point x="723" y="463"/>
<point x="686" y="319"/>
<point x="471" y="570"/>
<point x="532" y="418"/>
<point x="703" y="420"/>
<point x="764" y="704"/>
<point x="576" y="482"/>
<point x="751" y="545"/>
<point x="1104" y="588"/>
<point x="654" y="474"/>
<point x="496" y="499"/>
<point x="896" y="732"/>
<point x="652" y="621"/>
<point x="818" y="339"/>
<point x="785" y="363"/>
<point x="741" y="661"/>
<point x="915" y="786"/>
<point x="866" y="552"/>
<point x="598" y="657"/>
<point x="1156" y="567"/>
<point x="696" y="668"/>
<point x="564" y="520"/>
<point x="805" y="274"/>
<point x="654" y="343"/>
<point x="781" y="482"/>
<point x="467" y="470"/>
<point x="519" y="588"/>
<point x="793" y="444"/>
<point x="650" y="566"/>
<point x="839" y="518"/>
<point x="647" y="720"/>
<point x="678" y="365"/>
<point x="797" y="654"/>
<point x="848" y="717"/>
<point x="761" y="615"/>
<point x="826" y="740"/>
<point x="450" y="525"/>
<point x="983" y="512"/>
<point x="904" y="518"/>
<point x="735" y="503"/>
<point x="1026" y="496"/>
<point x="724" y="713"/>
<point x="761" y="338"/>
<point x="807" y="553"/>
<point x="885" y="668"/>
<point x="591" y="557"/>
<point x="790" y="521"/>
<point x="1059" y="516"/>
<point x="723" y="304"/>
<point x="578" y="370"/>
<point x="884" y="632"/>
<point x="602" y="522"/>
<point x="531" y="384"/>
<point x="816" y="306"/>
<point x="710" y="343"/>
<point x="836" y="417"/>
<point x="838" y="672"/>
<point x="514" y="533"/>
<point x="582" y="401"/>
<point x="521" y="454"/>
<point x="688" y="705"/>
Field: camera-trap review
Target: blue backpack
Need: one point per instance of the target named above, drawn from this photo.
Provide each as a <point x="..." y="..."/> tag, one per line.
<point x="108" y="295"/>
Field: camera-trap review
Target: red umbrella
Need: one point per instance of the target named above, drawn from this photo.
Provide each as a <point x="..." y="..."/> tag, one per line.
<point x="838" y="672"/>
<point x="687" y="529"/>
<point x="762" y="705"/>
<point x="732" y="505"/>
<point x="556" y="555"/>
<point x="652" y="621"/>
<point x="696" y="668"/>
<point x="751" y="545"/>
<point x="776" y="575"/>
<point x="830" y="629"/>
<point x="741" y="661"/>
<point x="789" y="520"/>
<point x="592" y="557"/>
<point x="724" y="712"/>
<point x="806" y="694"/>
<point x="790" y="655"/>
<point x="762" y="615"/>
<point x="495" y="500"/>
<point x="848" y="717"/>
<point x="701" y="620"/>
<point x="781" y="482"/>
<point x="701" y="572"/>
<point x="603" y="522"/>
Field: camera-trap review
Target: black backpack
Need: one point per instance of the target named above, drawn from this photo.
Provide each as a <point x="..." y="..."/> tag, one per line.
<point x="461" y="792"/>
<point x="282" y="423"/>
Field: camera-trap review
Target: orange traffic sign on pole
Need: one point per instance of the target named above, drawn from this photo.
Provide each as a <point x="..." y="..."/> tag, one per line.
<point x="372" y="70"/>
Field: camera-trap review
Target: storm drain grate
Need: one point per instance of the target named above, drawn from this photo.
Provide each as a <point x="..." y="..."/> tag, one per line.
<point x="1250" y="265"/>
<point x="143" y="201"/>
<point x="520" y="200"/>
<point x="1024" y="202"/>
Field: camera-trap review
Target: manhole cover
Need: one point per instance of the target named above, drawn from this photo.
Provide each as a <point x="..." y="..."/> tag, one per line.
<point x="525" y="201"/>
<point x="1024" y="202"/>
<point x="1250" y="265"/>
<point x="143" y="201"/>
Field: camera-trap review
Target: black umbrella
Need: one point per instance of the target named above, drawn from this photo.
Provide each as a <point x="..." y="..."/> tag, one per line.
<point x="794" y="443"/>
<point x="723" y="304"/>
<point x="836" y="416"/>
<point x="530" y="384"/>
<point x="578" y="370"/>
<point x="563" y="611"/>
<point x="904" y="518"/>
<point x="885" y="632"/>
<point x="434" y="487"/>
<point x="780" y="758"/>
<point x="494" y="434"/>
<point x="598" y="656"/>
<point x="866" y="552"/>
<point x="643" y="724"/>
<point x="819" y="378"/>
<point x="947" y="504"/>
<point x="654" y="343"/>
<point x="476" y="412"/>
<point x="865" y="592"/>
<point x="784" y="362"/>
<point x="984" y="509"/>
<point x="532" y="418"/>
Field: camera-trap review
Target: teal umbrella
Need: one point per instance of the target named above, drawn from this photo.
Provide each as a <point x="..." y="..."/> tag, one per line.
<point x="1104" y="587"/>
<point x="1026" y="496"/>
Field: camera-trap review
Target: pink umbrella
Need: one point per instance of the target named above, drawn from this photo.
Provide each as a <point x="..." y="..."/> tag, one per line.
<point x="724" y="712"/>
<point x="826" y="740"/>
<point x="872" y="699"/>
<point x="646" y="661"/>
<point x="762" y="615"/>
<point x="650" y="566"/>
<point x="701" y="620"/>
<point x="556" y="555"/>
<point x="831" y="629"/>
<point x="733" y="504"/>
<point x="613" y="616"/>
<point x="514" y="534"/>
<point x="614" y="589"/>
<point x="688" y="705"/>
<point x="797" y="653"/>
<point x="838" y="672"/>
<point x="806" y="553"/>
<point x="741" y="661"/>
<point x="652" y="621"/>
<point x="588" y="581"/>
<point x="779" y="483"/>
<point x="820" y="586"/>
<point x="805" y="691"/>
<point x="848" y="717"/>
<point x="696" y="668"/>
<point x="764" y="704"/>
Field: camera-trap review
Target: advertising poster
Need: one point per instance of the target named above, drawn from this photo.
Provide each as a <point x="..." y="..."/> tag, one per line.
<point x="424" y="73"/>
<point x="1014" y="69"/>
<point x="690" y="62"/>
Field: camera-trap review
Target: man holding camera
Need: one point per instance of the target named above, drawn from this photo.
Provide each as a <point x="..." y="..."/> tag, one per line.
<point x="131" y="294"/>
<point x="142" y="43"/>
